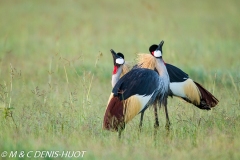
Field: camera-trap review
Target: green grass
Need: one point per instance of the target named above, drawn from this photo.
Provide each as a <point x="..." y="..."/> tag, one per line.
<point x="55" y="74"/>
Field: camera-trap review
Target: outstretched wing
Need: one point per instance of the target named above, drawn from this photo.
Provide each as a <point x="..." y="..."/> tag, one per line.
<point x="139" y="81"/>
<point x="176" y="74"/>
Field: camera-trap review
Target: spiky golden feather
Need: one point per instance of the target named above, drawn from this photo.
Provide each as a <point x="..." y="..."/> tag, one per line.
<point x="126" y="68"/>
<point x="146" y="61"/>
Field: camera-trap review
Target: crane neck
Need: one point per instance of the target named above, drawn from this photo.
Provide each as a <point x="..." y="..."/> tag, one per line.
<point x="161" y="68"/>
<point x="116" y="75"/>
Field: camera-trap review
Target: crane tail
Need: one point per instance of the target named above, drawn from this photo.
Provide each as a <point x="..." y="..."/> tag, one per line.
<point x="120" y="112"/>
<point x="207" y="99"/>
<point x="110" y="97"/>
<point x="114" y="117"/>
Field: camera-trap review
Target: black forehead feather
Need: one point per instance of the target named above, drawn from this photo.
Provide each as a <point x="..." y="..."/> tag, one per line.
<point x="153" y="48"/>
<point x="120" y="55"/>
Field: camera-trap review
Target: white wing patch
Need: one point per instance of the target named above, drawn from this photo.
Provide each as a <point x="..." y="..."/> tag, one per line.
<point x="178" y="88"/>
<point x="157" y="53"/>
<point x="119" y="60"/>
<point x="143" y="100"/>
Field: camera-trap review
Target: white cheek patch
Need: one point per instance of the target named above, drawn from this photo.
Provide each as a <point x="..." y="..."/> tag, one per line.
<point x="157" y="53"/>
<point x="119" y="61"/>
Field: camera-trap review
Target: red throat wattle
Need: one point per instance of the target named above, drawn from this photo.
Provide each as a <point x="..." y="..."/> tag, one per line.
<point x="164" y="62"/>
<point x="115" y="68"/>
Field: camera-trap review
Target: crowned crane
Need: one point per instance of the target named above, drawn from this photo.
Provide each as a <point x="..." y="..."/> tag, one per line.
<point x="120" y="69"/>
<point x="135" y="91"/>
<point x="180" y="84"/>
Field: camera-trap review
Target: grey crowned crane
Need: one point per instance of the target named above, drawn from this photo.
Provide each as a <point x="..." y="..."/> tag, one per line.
<point x="180" y="84"/>
<point x="120" y="69"/>
<point x="134" y="92"/>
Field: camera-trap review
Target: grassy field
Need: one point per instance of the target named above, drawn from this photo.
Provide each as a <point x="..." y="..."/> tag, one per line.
<point x="55" y="74"/>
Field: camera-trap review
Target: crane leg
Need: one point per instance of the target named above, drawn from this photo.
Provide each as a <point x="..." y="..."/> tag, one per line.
<point x="156" y="124"/>
<point x="120" y="129"/>
<point x="167" y="126"/>
<point x="119" y="133"/>
<point x="141" y="119"/>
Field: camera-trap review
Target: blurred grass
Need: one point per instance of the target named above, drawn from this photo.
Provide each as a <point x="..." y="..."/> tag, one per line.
<point x="61" y="69"/>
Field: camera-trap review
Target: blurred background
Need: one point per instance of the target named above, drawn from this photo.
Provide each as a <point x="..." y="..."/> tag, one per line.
<point x="200" y="36"/>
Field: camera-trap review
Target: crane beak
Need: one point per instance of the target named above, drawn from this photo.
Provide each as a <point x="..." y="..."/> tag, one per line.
<point x="160" y="45"/>
<point x="114" y="55"/>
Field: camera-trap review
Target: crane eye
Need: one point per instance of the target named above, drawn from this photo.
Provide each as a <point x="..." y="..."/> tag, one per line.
<point x="119" y="61"/>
